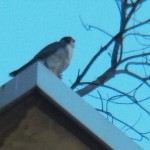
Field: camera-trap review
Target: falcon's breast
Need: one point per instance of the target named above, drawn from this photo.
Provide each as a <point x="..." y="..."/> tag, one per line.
<point x="60" y="60"/>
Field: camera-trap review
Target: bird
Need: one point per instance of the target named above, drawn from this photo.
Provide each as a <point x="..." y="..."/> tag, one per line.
<point x="55" y="56"/>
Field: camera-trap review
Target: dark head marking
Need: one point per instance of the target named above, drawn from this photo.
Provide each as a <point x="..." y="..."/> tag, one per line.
<point x="67" y="39"/>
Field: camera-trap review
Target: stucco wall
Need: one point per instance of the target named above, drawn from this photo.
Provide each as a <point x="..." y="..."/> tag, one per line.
<point x="37" y="131"/>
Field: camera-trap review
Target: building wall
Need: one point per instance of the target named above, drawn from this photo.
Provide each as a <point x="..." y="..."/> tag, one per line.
<point x="37" y="131"/>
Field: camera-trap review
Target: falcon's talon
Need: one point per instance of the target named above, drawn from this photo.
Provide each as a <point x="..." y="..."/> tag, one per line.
<point x="59" y="76"/>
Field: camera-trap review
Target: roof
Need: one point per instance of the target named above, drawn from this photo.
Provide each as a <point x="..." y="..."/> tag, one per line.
<point x="92" y="127"/>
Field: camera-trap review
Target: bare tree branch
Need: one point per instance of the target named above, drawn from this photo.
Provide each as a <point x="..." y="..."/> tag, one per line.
<point x="133" y="57"/>
<point x="130" y="97"/>
<point x="120" y="61"/>
<point x="134" y="6"/>
<point x="142" y="79"/>
<point x="121" y="95"/>
<point x="117" y="39"/>
<point x="117" y="3"/>
<point x="88" y="27"/>
<point x="142" y="135"/>
<point x="137" y="25"/>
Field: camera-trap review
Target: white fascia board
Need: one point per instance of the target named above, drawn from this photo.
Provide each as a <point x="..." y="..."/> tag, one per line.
<point x="65" y="98"/>
<point x="83" y="112"/>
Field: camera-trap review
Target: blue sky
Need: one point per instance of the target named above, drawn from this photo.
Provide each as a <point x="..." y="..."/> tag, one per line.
<point x="26" y="26"/>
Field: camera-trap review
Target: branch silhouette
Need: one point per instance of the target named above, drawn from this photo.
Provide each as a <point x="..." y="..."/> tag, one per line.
<point x="122" y="63"/>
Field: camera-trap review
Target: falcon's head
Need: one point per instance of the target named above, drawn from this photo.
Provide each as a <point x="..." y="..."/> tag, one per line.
<point x="68" y="40"/>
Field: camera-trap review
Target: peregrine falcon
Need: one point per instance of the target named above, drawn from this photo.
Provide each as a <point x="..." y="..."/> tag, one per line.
<point x="55" y="56"/>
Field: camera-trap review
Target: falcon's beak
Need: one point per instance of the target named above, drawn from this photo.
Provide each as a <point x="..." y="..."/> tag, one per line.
<point x="72" y="44"/>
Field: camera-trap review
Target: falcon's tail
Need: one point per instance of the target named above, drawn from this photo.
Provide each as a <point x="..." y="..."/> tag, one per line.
<point x="14" y="73"/>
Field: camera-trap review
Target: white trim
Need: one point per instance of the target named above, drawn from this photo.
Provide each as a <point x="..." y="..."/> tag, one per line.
<point x="38" y="75"/>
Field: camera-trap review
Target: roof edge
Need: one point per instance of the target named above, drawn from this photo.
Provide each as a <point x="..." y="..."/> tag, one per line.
<point x="18" y="86"/>
<point x="82" y="112"/>
<point x="37" y="75"/>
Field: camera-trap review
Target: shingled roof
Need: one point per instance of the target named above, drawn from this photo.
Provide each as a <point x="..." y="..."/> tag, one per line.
<point x="37" y="86"/>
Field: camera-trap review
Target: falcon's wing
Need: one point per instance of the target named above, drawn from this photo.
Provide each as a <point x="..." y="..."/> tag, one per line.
<point x="47" y="51"/>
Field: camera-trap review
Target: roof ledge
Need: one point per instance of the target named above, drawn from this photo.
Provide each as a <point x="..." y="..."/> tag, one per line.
<point x="37" y="75"/>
